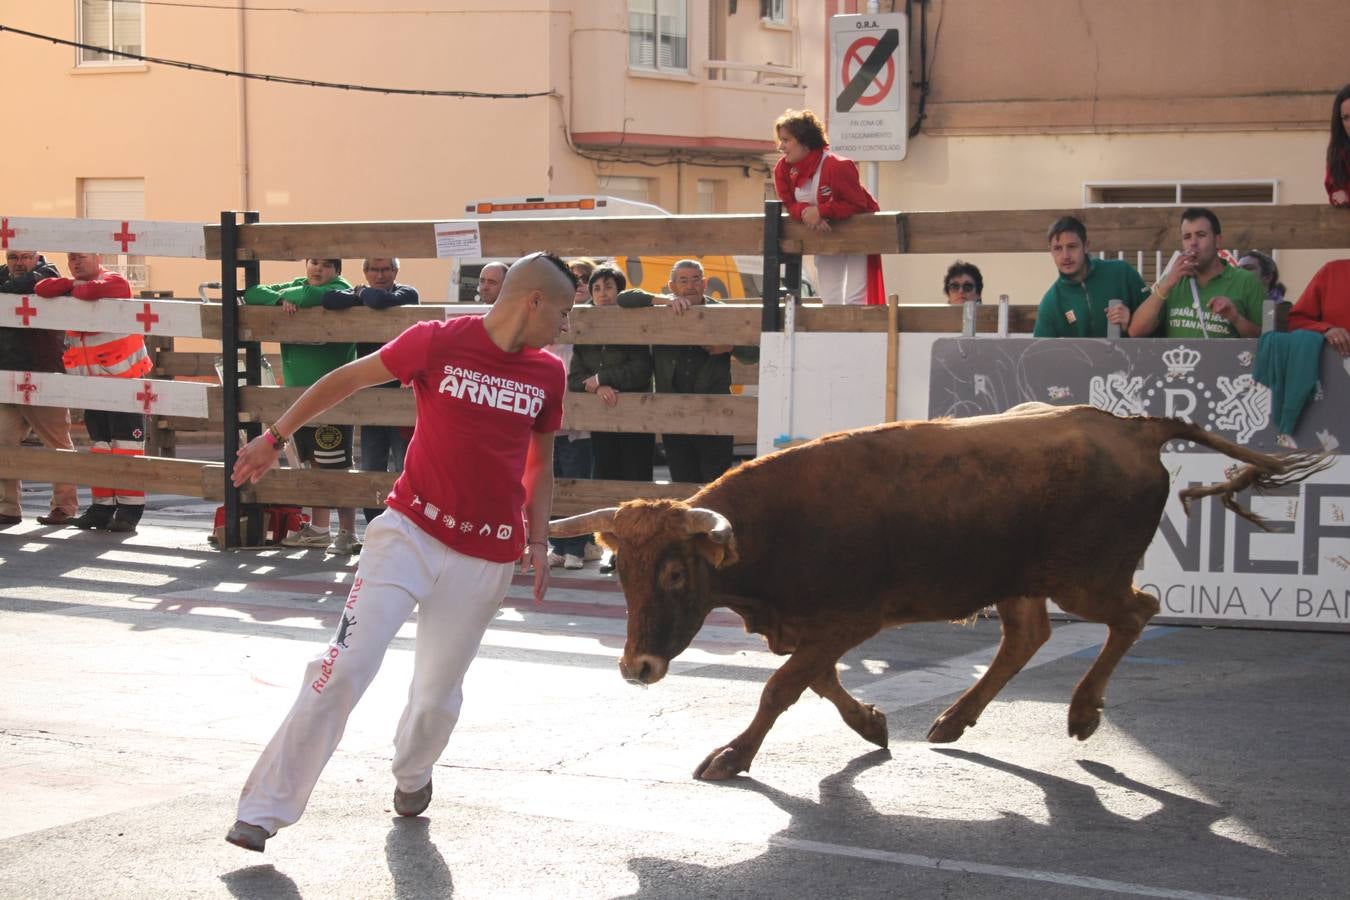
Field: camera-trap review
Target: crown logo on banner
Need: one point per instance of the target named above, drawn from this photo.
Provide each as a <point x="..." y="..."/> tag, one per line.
<point x="1180" y="361"/>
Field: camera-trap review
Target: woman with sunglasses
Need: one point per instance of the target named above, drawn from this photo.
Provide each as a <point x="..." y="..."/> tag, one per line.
<point x="963" y="282"/>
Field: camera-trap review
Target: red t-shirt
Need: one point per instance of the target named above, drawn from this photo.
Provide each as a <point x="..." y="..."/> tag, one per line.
<point x="477" y="408"/>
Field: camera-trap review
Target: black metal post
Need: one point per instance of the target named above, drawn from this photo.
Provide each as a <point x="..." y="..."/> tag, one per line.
<point x="253" y="377"/>
<point x="792" y="274"/>
<point x="229" y="387"/>
<point x="773" y="229"/>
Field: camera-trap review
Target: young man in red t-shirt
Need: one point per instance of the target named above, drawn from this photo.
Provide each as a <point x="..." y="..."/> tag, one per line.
<point x="488" y="401"/>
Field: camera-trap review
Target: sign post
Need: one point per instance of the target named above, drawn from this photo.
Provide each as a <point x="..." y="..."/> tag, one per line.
<point x="869" y="86"/>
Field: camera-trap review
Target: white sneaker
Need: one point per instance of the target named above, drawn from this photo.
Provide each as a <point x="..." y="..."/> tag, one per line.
<point x="572" y="561"/>
<point x="592" y="552"/>
<point x="346" y="542"/>
<point x="307" y="536"/>
<point x="554" y="559"/>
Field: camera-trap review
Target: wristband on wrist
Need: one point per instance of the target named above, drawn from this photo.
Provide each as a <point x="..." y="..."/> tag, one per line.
<point x="274" y="437"/>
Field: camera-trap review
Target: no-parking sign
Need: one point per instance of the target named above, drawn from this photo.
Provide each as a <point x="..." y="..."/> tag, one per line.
<point x="869" y="86"/>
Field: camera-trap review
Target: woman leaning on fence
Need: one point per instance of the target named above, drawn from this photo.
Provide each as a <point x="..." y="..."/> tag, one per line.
<point x="817" y="186"/>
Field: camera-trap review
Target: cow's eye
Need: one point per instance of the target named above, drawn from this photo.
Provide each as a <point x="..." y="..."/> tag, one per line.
<point x="672" y="578"/>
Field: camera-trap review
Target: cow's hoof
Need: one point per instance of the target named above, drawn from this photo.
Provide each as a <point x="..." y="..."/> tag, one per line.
<point x="1083" y="722"/>
<point x="946" y="730"/>
<point x="721" y="764"/>
<point x="873" y="728"/>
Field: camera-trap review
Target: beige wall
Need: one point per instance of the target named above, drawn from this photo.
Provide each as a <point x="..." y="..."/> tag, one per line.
<point x="204" y="143"/>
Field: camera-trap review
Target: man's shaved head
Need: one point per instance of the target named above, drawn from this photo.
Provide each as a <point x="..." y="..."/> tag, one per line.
<point x="537" y="272"/>
<point x="536" y="297"/>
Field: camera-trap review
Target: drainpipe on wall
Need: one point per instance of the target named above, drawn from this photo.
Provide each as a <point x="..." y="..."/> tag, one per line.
<point x="241" y="104"/>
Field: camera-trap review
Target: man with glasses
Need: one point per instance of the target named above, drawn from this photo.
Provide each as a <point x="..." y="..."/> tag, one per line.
<point x="1079" y="304"/>
<point x="383" y="447"/>
<point x="32" y="350"/>
<point x="693" y="458"/>
<point x="963" y="282"/>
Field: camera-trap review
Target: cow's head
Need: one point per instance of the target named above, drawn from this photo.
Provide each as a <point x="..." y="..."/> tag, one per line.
<point x="666" y="553"/>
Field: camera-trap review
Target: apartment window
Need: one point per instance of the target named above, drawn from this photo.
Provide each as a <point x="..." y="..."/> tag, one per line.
<point x="711" y="198"/>
<point x="1180" y="193"/>
<point x="112" y="24"/>
<point x="626" y="187"/>
<point x="118" y="199"/>
<point x="658" y="35"/>
<point x="773" y="11"/>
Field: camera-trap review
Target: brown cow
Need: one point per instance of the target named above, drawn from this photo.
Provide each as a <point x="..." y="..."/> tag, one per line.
<point x="921" y="521"/>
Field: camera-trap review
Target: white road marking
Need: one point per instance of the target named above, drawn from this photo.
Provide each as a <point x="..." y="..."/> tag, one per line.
<point x="974" y="868"/>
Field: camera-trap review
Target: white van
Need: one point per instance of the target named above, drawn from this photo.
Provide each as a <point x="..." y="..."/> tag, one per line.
<point x="729" y="277"/>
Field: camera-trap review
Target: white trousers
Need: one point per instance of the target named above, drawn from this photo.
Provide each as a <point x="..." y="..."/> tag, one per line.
<point x="456" y="598"/>
<point x="842" y="279"/>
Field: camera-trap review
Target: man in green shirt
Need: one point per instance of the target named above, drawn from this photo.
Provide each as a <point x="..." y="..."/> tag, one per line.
<point x="1078" y="304"/>
<point x="1199" y="295"/>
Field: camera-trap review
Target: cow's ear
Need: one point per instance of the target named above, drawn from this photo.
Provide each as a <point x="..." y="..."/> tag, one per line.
<point x="719" y="556"/>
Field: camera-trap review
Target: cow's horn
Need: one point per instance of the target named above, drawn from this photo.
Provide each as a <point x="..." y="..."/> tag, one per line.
<point x="586" y="523"/>
<point x="709" y="522"/>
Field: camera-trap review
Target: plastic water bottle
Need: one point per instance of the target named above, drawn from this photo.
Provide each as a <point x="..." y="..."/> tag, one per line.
<point x="1113" y="329"/>
<point x="1002" y="315"/>
<point x="968" y="310"/>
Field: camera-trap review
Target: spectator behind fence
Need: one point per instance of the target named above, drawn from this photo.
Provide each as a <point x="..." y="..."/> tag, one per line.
<point x="1337" y="180"/>
<point x="107" y="355"/>
<point x="474" y="496"/>
<point x="382" y="446"/>
<point x="694" y="458"/>
<point x="490" y="282"/>
<point x="963" y="282"/>
<point x="1079" y="304"/>
<point x="1325" y="306"/>
<point x="1199" y="295"/>
<point x="573" y="455"/>
<point x="321" y="446"/>
<point x="32" y="350"/>
<point x="816" y="186"/>
<point x="1266" y="271"/>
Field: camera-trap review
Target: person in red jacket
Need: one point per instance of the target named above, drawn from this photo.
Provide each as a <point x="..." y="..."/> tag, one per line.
<point x="106" y="355"/>
<point x="1325" y="306"/>
<point x="818" y="186"/>
<point x="1337" y="181"/>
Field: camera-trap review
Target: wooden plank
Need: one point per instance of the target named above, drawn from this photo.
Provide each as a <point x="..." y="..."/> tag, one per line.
<point x="576" y="495"/>
<point x="1312" y="226"/>
<point x="180" y="318"/>
<point x="372" y="406"/>
<point x="186" y="477"/>
<point x="109" y="236"/>
<point x="181" y="364"/>
<point x="271" y="323"/>
<point x="938" y="317"/>
<point x="659" y="413"/>
<point x="333" y="488"/>
<point x="137" y="395"/>
<point x="609" y="236"/>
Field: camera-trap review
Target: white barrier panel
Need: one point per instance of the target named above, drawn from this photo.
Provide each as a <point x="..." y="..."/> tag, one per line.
<point x="142" y="395"/>
<point x="179" y="318"/>
<point x="182" y="239"/>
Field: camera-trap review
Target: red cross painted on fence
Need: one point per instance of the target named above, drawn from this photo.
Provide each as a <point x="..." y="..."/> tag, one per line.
<point x="147" y="396"/>
<point x="126" y="236"/>
<point x="25" y="311"/>
<point x="147" y="318"/>
<point x="28" y="388"/>
<point x="6" y="233"/>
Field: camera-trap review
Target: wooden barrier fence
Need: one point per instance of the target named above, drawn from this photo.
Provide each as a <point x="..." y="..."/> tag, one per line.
<point x="241" y="329"/>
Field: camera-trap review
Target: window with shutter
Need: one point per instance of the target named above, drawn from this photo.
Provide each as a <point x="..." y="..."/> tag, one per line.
<point x="118" y="199"/>
<point x="658" y="35"/>
<point x="112" y="25"/>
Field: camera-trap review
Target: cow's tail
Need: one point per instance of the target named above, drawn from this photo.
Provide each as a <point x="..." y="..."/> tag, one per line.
<point x="1262" y="470"/>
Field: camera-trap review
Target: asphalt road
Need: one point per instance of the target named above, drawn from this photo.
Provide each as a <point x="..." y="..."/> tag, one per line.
<point x="143" y="673"/>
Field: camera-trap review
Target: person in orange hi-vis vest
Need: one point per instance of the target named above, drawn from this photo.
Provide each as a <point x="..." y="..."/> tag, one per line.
<point x="110" y="356"/>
